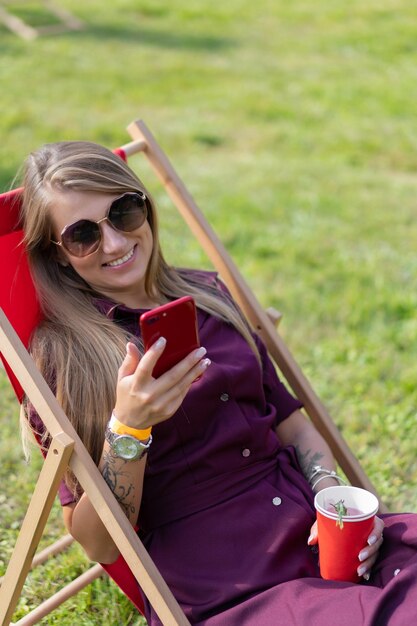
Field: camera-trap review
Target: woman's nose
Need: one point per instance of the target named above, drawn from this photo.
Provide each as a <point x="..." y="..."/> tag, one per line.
<point x="111" y="239"/>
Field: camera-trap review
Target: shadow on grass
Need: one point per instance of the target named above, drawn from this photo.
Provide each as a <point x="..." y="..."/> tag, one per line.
<point x="151" y="37"/>
<point x="132" y="33"/>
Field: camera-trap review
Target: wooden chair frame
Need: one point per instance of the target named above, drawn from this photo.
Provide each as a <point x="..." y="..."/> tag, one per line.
<point x="66" y="21"/>
<point x="67" y="448"/>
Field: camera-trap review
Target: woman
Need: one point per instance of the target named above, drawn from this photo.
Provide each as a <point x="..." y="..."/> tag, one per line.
<point x="221" y="480"/>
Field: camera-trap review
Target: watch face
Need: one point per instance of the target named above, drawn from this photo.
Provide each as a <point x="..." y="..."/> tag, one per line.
<point x="126" y="447"/>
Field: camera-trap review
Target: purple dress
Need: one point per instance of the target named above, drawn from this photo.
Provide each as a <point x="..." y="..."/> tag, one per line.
<point x="226" y="511"/>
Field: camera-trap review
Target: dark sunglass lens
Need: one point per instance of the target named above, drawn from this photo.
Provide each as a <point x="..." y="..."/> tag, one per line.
<point x="128" y="212"/>
<point x="81" y="238"/>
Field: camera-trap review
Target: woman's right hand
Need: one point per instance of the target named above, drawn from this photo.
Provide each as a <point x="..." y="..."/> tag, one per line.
<point x="141" y="400"/>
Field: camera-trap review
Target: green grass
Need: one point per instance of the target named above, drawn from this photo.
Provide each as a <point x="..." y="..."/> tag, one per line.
<point x="293" y="125"/>
<point x="33" y="14"/>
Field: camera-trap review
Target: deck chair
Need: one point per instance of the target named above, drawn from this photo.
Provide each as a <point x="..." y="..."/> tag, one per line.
<point x="19" y="316"/>
<point x="63" y="20"/>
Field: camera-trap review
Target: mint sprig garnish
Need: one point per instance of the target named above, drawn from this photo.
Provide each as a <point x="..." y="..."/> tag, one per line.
<point x="341" y="510"/>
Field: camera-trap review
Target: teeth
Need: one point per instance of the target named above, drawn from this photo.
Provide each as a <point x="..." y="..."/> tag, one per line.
<point x="124" y="258"/>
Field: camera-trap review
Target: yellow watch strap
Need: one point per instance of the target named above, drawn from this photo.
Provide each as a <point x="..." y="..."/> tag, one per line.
<point x="121" y="429"/>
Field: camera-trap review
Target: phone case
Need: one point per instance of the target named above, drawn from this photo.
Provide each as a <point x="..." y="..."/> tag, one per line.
<point x="177" y="322"/>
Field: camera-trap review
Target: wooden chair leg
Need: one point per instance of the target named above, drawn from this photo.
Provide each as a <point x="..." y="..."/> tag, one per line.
<point x="71" y="589"/>
<point x="65" y="21"/>
<point x="34" y="523"/>
<point x="55" y="548"/>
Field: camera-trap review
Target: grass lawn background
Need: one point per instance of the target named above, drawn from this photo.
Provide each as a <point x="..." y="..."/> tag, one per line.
<point x="293" y="126"/>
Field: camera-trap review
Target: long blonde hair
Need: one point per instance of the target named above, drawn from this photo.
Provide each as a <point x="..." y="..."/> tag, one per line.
<point x="77" y="348"/>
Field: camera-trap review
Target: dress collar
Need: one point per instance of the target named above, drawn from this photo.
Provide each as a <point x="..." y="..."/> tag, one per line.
<point x="108" y="307"/>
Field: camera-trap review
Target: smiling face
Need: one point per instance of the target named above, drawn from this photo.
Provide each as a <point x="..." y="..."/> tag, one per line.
<point x="118" y="268"/>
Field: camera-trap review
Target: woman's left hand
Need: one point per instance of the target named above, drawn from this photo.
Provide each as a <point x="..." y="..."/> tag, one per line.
<point x="369" y="553"/>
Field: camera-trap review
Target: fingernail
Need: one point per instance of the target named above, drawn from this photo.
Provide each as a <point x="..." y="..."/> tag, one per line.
<point x="204" y="364"/>
<point x="160" y="343"/>
<point x="131" y="349"/>
<point x="200" y="353"/>
<point x="310" y="538"/>
<point x="372" y="539"/>
<point x="362" y="571"/>
<point x="363" y="555"/>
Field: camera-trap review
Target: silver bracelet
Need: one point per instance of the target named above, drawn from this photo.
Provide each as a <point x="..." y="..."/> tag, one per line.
<point x="328" y="475"/>
<point x="318" y="469"/>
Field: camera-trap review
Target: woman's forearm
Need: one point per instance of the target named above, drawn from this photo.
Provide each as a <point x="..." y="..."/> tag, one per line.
<point x="311" y="448"/>
<point x="125" y="479"/>
<point x="313" y="451"/>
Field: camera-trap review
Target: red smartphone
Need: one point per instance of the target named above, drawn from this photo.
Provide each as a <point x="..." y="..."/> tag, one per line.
<point x="177" y="322"/>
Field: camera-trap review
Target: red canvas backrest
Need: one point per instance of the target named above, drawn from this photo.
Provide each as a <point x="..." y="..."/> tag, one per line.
<point x="18" y="297"/>
<point x="9" y="211"/>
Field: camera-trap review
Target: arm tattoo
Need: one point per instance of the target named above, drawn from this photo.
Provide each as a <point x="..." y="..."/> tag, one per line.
<point x="308" y="460"/>
<point x="123" y="490"/>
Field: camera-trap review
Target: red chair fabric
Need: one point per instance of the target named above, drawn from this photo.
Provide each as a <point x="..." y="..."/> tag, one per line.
<point x="17" y="293"/>
<point x="19" y="301"/>
<point x="122" y="575"/>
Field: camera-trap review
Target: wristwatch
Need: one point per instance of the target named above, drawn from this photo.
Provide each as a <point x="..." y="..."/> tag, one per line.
<point x="127" y="447"/>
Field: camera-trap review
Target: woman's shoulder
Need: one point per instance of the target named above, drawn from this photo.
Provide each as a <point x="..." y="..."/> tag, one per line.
<point x="208" y="279"/>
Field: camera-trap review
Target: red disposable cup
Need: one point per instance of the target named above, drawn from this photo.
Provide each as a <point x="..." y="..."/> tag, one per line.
<point x="339" y="547"/>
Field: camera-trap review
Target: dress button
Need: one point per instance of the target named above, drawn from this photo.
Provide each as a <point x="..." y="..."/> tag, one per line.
<point x="224" y="397"/>
<point x="276" y="501"/>
<point x="397" y="571"/>
<point x="245" y="452"/>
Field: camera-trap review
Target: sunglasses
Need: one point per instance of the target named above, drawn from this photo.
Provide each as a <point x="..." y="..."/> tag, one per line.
<point x="125" y="214"/>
